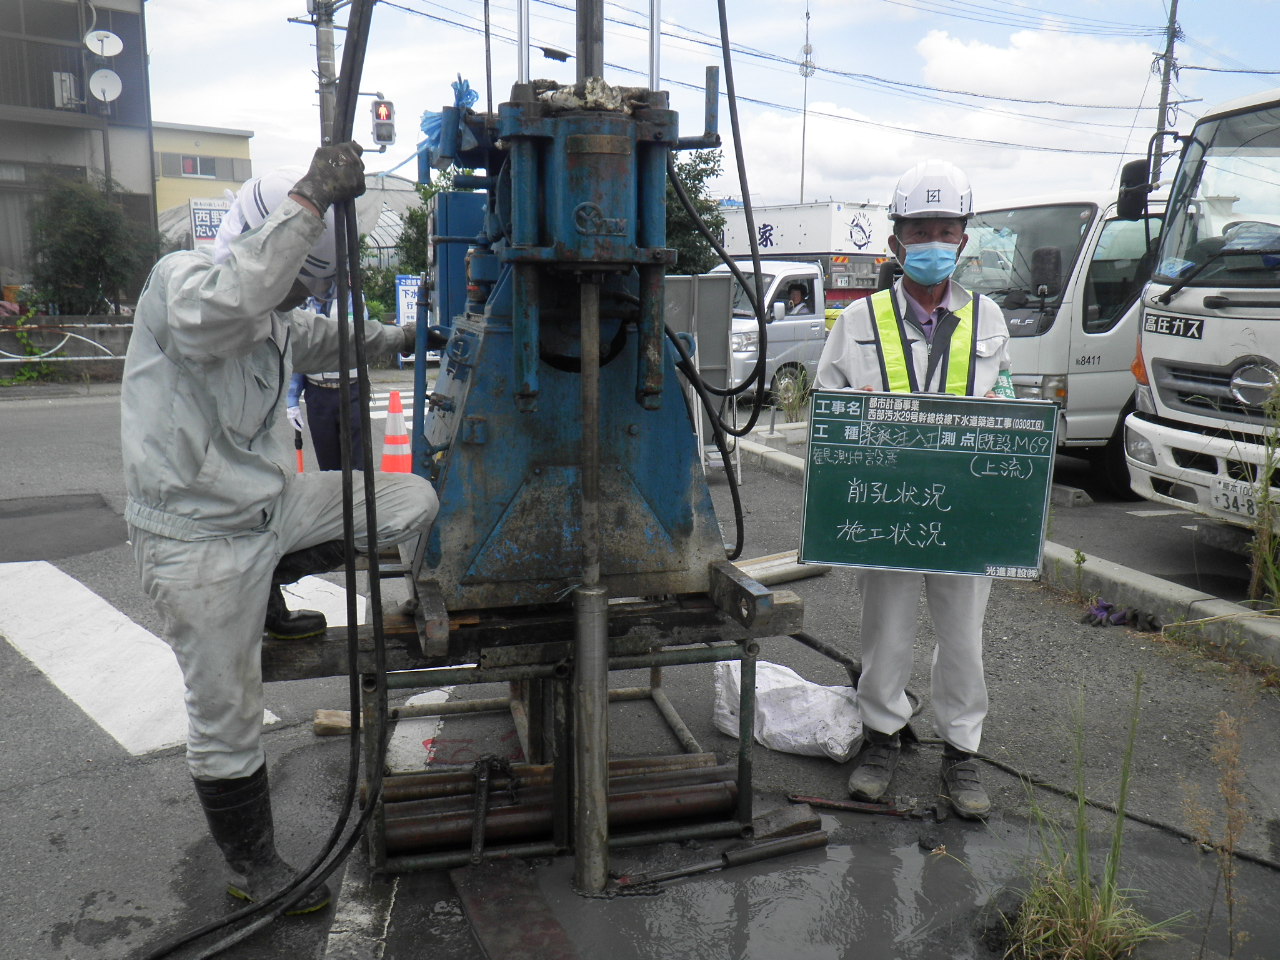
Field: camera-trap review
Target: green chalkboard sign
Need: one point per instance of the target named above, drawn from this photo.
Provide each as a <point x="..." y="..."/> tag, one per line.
<point x="928" y="482"/>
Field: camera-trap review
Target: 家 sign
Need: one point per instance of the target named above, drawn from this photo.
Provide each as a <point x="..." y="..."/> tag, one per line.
<point x="931" y="483"/>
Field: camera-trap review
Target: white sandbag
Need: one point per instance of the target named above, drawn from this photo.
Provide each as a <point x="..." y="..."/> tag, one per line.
<point x="792" y="714"/>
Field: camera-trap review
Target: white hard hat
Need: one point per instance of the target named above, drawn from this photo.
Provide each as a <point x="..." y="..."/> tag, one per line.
<point x="932" y="188"/>
<point x="255" y="202"/>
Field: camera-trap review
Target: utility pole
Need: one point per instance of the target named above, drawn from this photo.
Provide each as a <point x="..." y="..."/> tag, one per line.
<point x="806" y="71"/>
<point x="321" y="17"/>
<point x="1168" y="65"/>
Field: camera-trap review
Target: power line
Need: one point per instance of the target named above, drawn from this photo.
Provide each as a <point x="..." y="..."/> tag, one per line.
<point x="1056" y="23"/>
<point x="951" y="138"/>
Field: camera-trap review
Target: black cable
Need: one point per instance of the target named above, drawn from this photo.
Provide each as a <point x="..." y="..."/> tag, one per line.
<point x="1105" y="806"/>
<point x="265" y="911"/>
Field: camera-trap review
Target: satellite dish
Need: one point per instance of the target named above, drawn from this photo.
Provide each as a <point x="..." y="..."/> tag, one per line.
<point x="103" y="42"/>
<point x="105" y="85"/>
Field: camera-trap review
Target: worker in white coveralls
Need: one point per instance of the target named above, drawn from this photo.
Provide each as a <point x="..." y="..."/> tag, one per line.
<point x="217" y="516"/>
<point x="924" y="335"/>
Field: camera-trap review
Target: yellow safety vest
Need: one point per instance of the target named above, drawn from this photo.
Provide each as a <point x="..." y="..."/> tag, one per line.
<point x="954" y="346"/>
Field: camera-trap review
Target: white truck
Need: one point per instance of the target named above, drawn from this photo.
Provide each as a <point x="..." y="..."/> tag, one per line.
<point x="848" y="241"/>
<point x="1203" y="434"/>
<point x="1067" y="273"/>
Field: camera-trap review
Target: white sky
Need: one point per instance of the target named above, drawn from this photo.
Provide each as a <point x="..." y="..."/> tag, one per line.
<point x="249" y="68"/>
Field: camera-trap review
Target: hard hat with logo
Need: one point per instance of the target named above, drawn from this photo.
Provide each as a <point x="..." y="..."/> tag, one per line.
<point x="252" y="205"/>
<point x="932" y="188"/>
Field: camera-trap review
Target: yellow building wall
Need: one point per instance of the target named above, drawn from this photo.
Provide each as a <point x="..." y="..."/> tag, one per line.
<point x="228" y="149"/>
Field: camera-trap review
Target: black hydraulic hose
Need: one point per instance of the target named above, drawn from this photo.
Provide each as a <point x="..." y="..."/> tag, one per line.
<point x="757" y="370"/>
<point x="334" y="852"/>
<point x="1111" y="808"/>
<point x="686" y="367"/>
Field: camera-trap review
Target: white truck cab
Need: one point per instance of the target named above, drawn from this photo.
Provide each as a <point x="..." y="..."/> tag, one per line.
<point x="1204" y="433"/>
<point x="1068" y="275"/>
<point x="794" y="334"/>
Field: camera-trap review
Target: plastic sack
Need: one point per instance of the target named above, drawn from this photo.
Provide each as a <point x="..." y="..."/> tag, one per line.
<point x="792" y="714"/>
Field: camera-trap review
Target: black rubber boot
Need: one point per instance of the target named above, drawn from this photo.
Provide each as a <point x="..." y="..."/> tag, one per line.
<point x="962" y="785"/>
<point x="239" y="815"/>
<point x="874" y="765"/>
<point x="283" y="623"/>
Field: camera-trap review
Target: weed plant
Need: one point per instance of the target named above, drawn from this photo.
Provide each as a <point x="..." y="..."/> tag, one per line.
<point x="1068" y="913"/>
<point x="793" y="395"/>
<point x="1264" y="564"/>
<point x="1228" y="741"/>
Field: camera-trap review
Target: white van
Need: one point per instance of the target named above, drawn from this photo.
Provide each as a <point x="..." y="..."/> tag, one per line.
<point x="794" y="336"/>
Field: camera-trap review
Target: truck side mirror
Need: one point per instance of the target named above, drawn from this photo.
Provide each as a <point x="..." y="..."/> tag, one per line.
<point x="1046" y="271"/>
<point x="888" y="272"/>
<point x="1135" y="184"/>
<point x="779" y="311"/>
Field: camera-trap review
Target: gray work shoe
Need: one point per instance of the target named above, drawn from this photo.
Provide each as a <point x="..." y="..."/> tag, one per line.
<point x="874" y="765"/>
<point x="962" y="785"/>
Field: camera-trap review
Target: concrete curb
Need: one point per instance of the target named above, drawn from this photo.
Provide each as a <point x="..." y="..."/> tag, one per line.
<point x="1234" y="628"/>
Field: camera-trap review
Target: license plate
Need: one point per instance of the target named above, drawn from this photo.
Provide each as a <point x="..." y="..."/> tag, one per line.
<point x="1235" y="496"/>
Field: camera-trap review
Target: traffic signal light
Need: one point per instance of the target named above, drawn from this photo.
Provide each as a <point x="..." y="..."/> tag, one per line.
<point x="384" y="122"/>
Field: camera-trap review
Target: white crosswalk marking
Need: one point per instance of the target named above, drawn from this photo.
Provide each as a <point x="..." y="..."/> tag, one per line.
<point x="121" y="675"/>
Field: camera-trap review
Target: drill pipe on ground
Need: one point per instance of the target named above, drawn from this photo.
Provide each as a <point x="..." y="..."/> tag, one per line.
<point x="527" y="792"/>
<point x="533" y="821"/>
<point x="461" y="779"/>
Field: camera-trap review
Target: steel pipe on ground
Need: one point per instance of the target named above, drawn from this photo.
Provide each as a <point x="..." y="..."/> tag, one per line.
<point x="528" y="822"/>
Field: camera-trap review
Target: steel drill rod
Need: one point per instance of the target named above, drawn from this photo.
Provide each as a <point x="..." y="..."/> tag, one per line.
<point x="445" y="778"/>
<point x="732" y="858"/>
<point x="525" y="822"/>
<point x="591" y="740"/>
<point x="464" y="798"/>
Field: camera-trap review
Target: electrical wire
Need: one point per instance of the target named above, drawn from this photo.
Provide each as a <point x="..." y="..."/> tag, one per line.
<point x="875" y="82"/>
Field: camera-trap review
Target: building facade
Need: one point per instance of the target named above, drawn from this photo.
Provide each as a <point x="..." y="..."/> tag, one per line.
<point x="194" y="162"/>
<point x="74" y="102"/>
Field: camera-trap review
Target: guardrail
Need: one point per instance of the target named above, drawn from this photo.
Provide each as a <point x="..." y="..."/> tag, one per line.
<point x="82" y="340"/>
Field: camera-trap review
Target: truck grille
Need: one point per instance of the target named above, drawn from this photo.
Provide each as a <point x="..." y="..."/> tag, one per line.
<point x="1204" y="390"/>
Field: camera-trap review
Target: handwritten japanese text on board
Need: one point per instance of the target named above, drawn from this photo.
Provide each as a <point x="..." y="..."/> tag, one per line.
<point x="933" y="483"/>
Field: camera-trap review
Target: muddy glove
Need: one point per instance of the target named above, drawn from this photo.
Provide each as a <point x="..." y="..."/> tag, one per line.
<point x="337" y="173"/>
<point x="1098" y="614"/>
<point x="410" y="332"/>
<point x="294" y="416"/>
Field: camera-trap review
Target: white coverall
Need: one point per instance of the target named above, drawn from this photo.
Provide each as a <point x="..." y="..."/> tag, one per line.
<point x="213" y="499"/>
<point x="957" y="604"/>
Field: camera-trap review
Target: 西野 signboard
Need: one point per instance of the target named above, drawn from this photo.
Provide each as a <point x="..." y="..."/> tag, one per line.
<point x="928" y="482"/>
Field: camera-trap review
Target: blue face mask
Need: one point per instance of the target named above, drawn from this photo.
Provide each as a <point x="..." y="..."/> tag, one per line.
<point x="930" y="263"/>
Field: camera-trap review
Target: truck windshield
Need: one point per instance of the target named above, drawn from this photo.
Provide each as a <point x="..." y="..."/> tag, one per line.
<point x="741" y="301"/>
<point x="1223" y="228"/>
<point x="1003" y="244"/>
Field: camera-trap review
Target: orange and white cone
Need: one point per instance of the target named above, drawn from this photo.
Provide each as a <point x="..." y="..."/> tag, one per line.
<point x="397" y="457"/>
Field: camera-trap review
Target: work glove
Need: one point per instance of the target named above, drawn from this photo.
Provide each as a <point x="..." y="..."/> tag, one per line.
<point x="437" y="338"/>
<point x="294" y="416"/>
<point x="410" y="333"/>
<point x="337" y="173"/>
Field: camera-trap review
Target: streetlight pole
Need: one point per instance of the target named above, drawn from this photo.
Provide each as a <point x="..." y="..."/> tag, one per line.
<point x="806" y="71"/>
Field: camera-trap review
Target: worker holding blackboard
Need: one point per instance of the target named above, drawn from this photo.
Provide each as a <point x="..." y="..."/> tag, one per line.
<point x="925" y="334"/>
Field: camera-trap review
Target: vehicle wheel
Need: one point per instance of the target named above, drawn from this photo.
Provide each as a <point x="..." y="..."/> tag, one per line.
<point x="790" y="387"/>
<point x="1112" y="469"/>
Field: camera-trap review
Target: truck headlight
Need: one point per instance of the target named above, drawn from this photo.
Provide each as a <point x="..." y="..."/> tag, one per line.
<point x="1138" y="447"/>
<point x="1143" y="400"/>
<point x="742" y="342"/>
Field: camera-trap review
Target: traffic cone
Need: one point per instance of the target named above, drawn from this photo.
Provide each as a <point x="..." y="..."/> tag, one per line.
<point x="396" y="454"/>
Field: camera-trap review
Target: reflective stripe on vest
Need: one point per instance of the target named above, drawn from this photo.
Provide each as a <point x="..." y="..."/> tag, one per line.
<point x="954" y="347"/>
